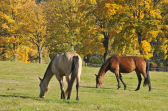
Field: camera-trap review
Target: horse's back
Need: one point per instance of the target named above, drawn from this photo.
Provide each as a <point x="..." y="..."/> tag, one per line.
<point x="62" y="63"/>
<point x="126" y="64"/>
<point x="68" y="59"/>
<point x="140" y="64"/>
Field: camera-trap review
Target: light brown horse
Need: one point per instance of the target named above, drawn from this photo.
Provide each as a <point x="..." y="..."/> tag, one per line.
<point x="63" y="64"/>
<point x="124" y="64"/>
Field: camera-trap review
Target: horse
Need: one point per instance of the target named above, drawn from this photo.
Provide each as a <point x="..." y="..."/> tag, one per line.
<point x="125" y="64"/>
<point x="67" y="64"/>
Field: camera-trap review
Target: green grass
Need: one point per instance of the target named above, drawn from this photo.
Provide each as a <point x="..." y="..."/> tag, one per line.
<point x="19" y="90"/>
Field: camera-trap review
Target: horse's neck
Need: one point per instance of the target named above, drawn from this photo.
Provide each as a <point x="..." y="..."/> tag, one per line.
<point x="103" y="69"/>
<point x="47" y="77"/>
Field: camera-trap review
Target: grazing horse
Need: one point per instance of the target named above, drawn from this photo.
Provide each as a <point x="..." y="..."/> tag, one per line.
<point x="67" y="64"/>
<point x="125" y="64"/>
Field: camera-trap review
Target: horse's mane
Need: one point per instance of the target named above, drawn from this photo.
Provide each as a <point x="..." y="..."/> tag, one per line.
<point x="103" y="65"/>
<point x="47" y="70"/>
<point x="49" y="66"/>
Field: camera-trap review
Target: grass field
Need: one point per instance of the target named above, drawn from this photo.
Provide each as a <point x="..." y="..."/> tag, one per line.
<point x="19" y="90"/>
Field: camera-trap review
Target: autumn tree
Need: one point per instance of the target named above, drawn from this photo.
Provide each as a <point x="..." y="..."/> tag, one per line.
<point x="132" y="24"/>
<point x="100" y="19"/>
<point x="11" y="37"/>
<point x="162" y="38"/>
<point x="34" y="25"/>
<point x="126" y="26"/>
<point x="109" y="17"/>
<point x="4" y="19"/>
<point x="88" y="34"/>
<point x="142" y="24"/>
<point x="61" y="16"/>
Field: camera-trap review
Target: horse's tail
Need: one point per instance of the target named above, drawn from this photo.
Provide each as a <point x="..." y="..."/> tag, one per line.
<point x="147" y="80"/>
<point x="74" y="70"/>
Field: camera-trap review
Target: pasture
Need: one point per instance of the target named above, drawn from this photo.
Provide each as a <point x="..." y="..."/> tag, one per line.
<point x="19" y="90"/>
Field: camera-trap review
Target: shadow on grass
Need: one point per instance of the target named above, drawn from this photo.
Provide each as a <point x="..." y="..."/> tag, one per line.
<point x="21" y="96"/>
<point x="41" y="99"/>
<point x="89" y="87"/>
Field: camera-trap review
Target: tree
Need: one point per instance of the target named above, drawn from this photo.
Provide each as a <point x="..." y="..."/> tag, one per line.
<point x="162" y="38"/>
<point x="62" y="25"/>
<point x="142" y="24"/>
<point x="109" y="13"/>
<point x="99" y="19"/>
<point x="89" y="37"/>
<point x="132" y="24"/>
<point x="10" y="29"/>
<point x="34" y="25"/>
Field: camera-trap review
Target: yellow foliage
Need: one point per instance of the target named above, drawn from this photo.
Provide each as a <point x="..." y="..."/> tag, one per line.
<point x="147" y="49"/>
<point x="107" y="8"/>
<point x="5" y="26"/>
<point x="3" y="40"/>
<point x="152" y="34"/>
<point x="12" y="39"/>
<point x="146" y="46"/>
<point x="91" y="2"/>
<point x="23" y="53"/>
<point x="155" y="13"/>
<point x="111" y="8"/>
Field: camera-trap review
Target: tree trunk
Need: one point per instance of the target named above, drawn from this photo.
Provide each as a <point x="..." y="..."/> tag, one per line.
<point x="15" y="55"/>
<point x="40" y="50"/>
<point x="139" y="41"/>
<point x="105" y="43"/>
<point x="25" y="55"/>
<point x="72" y="46"/>
<point x="2" y="54"/>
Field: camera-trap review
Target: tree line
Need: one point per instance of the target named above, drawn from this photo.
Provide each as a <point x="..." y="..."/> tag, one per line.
<point x="34" y="30"/>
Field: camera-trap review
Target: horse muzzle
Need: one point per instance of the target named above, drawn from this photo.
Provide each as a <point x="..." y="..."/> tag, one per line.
<point x="97" y="86"/>
<point x="42" y="96"/>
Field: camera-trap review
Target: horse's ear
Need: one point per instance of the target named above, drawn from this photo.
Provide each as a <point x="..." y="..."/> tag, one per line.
<point x="40" y="79"/>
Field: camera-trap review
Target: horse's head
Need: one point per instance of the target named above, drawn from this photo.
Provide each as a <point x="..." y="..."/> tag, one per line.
<point x="99" y="81"/>
<point x="43" y="88"/>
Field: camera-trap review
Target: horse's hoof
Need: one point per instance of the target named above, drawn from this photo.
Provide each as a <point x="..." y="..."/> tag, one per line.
<point x="42" y="96"/>
<point x="118" y="87"/>
<point x="77" y="99"/>
<point x="136" y="89"/>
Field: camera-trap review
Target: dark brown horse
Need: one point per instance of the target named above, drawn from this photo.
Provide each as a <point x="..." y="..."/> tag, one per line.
<point x="125" y="64"/>
<point x="67" y="64"/>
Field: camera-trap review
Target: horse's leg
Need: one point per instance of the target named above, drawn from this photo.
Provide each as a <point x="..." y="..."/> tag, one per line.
<point x="67" y="79"/>
<point x="118" y="79"/>
<point x="77" y="88"/>
<point x="146" y="80"/>
<point x="62" y="89"/>
<point x="122" y="81"/>
<point x="139" y="80"/>
<point x="61" y="81"/>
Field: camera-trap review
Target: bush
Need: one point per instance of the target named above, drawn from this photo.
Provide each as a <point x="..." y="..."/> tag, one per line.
<point x="161" y="64"/>
<point x="96" y="60"/>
